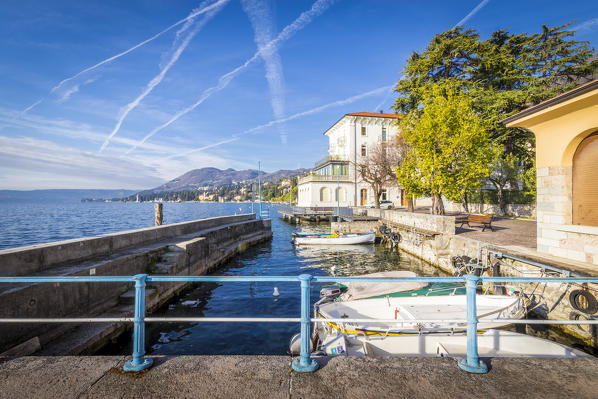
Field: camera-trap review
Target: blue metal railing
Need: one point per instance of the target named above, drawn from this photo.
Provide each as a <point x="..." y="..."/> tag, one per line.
<point x="304" y="363"/>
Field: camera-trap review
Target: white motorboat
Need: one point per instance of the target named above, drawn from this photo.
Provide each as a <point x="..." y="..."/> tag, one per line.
<point x="491" y="343"/>
<point x="355" y="290"/>
<point x="393" y="315"/>
<point x="334" y="239"/>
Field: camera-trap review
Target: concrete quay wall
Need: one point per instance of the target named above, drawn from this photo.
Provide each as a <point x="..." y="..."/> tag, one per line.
<point x="194" y="253"/>
<point x="25" y="261"/>
<point x="265" y="377"/>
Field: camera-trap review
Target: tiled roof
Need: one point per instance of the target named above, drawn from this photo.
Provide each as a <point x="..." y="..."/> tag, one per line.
<point x="374" y="114"/>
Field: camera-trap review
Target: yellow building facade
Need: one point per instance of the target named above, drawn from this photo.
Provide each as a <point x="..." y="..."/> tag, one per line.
<point x="566" y="131"/>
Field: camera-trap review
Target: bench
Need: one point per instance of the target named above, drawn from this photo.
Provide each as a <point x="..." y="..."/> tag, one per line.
<point x="484" y="220"/>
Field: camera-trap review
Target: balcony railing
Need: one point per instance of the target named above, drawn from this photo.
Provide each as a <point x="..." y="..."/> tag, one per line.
<point x="330" y="178"/>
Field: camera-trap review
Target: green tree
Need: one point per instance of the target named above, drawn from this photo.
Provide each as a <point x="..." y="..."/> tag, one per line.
<point x="450" y="150"/>
<point x="503" y="75"/>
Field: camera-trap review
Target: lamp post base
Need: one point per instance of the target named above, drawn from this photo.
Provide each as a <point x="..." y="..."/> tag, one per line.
<point x="481" y="368"/>
<point x="131" y="366"/>
<point x="312" y="365"/>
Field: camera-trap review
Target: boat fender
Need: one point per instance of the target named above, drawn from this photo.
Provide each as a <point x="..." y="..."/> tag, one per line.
<point x="583" y="301"/>
<point x="586" y="328"/>
<point x="295" y="344"/>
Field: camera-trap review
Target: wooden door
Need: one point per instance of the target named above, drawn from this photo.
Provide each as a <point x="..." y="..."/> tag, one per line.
<point x="585" y="182"/>
<point x="364" y="196"/>
<point x="403" y="198"/>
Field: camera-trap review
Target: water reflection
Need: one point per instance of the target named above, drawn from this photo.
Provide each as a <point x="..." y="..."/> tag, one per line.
<point x="256" y="299"/>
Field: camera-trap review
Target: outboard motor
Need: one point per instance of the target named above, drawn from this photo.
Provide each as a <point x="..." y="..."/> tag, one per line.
<point x="330" y="291"/>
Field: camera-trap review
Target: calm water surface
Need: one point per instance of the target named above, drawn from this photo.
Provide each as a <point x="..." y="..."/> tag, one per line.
<point x="38" y="221"/>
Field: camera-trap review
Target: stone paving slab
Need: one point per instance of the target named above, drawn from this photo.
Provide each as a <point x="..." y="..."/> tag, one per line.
<point x="506" y="232"/>
<point x="271" y="377"/>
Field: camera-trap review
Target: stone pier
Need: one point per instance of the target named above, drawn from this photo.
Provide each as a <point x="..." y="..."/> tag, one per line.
<point x="188" y="248"/>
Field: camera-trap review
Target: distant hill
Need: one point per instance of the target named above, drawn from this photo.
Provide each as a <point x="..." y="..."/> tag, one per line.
<point x="60" y="195"/>
<point x="213" y="177"/>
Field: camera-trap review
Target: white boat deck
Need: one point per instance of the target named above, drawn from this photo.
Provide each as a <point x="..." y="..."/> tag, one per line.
<point x="418" y="308"/>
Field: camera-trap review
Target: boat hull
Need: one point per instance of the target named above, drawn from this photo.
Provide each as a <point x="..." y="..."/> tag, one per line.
<point x="345" y="239"/>
<point x="404" y="309"/>
<point x="491" y="343"/>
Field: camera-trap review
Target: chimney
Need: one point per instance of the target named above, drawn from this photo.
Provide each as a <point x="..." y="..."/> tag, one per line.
<point x="381" y="111"/>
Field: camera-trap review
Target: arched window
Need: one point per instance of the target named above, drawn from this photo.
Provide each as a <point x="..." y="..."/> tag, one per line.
<point x="339" y="191"/>
<point x="585" y="182"/>
<point x="324" y="194"/>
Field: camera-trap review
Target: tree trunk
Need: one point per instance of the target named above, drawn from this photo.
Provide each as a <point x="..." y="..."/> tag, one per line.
<point x="465" y="203"/>
<point x="410" y="207"/>
<point x="501" y="201"/>
<point x="437" y="205"/>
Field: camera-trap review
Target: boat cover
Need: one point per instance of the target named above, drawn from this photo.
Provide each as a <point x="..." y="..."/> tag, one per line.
<point x="357" y="290"/>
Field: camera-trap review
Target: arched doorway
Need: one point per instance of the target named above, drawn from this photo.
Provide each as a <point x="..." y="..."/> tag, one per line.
<point x="324" y="194"/>
<point x="585" y="182"/>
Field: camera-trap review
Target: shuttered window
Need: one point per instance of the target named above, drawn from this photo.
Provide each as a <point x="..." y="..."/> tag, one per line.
<point x="585" y="182"/>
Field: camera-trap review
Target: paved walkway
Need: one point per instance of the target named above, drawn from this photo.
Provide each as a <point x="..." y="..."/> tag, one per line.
<point x="271" y="377"/>
<point x="507" y="232"/>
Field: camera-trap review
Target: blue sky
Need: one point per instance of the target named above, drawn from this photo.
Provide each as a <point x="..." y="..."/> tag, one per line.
<point x="232" y="83"/>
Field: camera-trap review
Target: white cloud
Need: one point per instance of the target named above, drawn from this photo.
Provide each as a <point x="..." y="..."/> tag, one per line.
<point x="160" y="76"/>
<point x="253" y="130"/>
<point x="193" y="14"/>
<point x="304" y="19"/>
<point x="260" y="15"/>
<point x="586" y="26"/>
<point x="29" y="163"/>
<point x="472" y="13"/>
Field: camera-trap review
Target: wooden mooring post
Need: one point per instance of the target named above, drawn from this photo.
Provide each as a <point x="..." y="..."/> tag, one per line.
<point x="158" y="214"/>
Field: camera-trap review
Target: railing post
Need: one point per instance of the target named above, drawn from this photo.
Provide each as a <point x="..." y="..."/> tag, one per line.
<point x="138" y="362"/>
<point x="472" y="364"/>
<point x="305" y="363"/>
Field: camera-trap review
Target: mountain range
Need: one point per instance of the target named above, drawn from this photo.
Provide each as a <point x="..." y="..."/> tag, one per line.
<point x="214" y="177"/>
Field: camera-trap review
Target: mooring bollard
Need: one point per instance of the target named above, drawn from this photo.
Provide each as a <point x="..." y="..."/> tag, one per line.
<point x="138" y="362"/>
<point x="158" y="214"/>
<point x="472" y="364"/>
<point x="305" y="363"/>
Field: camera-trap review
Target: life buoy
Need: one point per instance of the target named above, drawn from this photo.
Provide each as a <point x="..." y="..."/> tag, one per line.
<point x="583" y="301"/>
<point x="396" y="238"/>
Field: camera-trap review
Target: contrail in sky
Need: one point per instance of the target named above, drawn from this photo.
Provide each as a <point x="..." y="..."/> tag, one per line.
<point x="107" y="60"/>
<point x="305" y="18"/>
<point x="158" y="78"/>
<point x="237" y="136"/>
<point x="472" y="13"/>
<point x="260" y="15"/>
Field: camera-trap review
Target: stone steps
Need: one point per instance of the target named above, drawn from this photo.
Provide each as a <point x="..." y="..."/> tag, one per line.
<point x="128" y="298"/>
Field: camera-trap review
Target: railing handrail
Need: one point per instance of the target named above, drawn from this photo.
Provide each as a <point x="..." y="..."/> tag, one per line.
<point x="304" y="363"/>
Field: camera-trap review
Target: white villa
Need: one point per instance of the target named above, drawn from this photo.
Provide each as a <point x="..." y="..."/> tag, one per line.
<point x="333" y="180"/>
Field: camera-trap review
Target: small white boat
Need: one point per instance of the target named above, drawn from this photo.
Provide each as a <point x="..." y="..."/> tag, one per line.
<point x="491" y="343"/>
<point x="330" y="239"/>
<point x="384" y="311"/>
<point x="356" y="290"/>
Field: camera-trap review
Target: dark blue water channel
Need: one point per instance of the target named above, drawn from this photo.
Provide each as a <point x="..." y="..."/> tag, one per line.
<point x="278" y="257"/>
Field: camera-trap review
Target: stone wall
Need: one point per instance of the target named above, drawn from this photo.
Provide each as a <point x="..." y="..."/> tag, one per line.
<point x="549" y="301"/>
<point x="23" y="261"/>
<point x="556" y="235"/>
<point x="513" y="210"/>
<point x="440" y="224"/>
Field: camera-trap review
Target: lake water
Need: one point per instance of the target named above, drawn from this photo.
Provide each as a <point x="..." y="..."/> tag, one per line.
<point x="34" y="221"/>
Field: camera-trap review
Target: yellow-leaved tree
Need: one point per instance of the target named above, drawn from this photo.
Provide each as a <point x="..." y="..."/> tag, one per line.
<point x="450" y="147"/>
